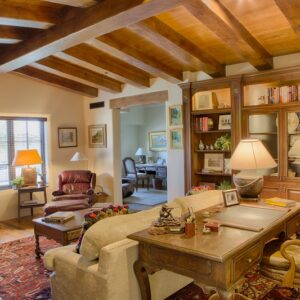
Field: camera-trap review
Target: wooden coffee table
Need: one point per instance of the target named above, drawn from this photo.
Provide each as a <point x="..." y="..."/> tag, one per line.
<point x="63" y="233"/>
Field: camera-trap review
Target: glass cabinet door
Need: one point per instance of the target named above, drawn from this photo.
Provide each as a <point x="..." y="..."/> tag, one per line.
<point x="293" y="133"/>
<point x="264" y="127"/>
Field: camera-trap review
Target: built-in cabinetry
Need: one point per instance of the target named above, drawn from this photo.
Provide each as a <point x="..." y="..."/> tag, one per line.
<point x="264" y="105"/>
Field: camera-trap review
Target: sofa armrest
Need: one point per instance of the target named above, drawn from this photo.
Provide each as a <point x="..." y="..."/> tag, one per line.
<point x="90" y="192"/>
<point x="58" y="193"/>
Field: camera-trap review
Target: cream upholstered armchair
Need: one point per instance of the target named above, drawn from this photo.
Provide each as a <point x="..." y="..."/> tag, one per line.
<point x="132" y="174"/>
<point x="281" y="262"/>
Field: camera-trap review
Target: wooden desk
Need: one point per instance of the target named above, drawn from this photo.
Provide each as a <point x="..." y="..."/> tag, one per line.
<point x="159" y="170"/>
<point x="219" y="259"/>
<point x="30" y="190"/>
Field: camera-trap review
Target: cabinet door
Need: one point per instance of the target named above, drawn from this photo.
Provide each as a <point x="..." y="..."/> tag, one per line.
<point x="264" y="126"/>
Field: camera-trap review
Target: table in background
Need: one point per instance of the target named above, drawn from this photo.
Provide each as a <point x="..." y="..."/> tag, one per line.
<point x="216" y="259"/>
<point x="155" y="169"/>
<point x="30" y="190"/>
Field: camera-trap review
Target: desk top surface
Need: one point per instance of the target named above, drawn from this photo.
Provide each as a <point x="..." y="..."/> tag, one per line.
<point x="219" y="245"/>
<point x="149" y="165"/>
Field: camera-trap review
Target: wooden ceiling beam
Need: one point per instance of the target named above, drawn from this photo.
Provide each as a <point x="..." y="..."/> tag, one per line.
<point x="59" y="81"/>
<point x="177" y="45"/>
<point x="291" y="10"/>
<point x="216" y="17"/>
<point x="110" y="65"/>
<point x="124" y="51"/>
<point x="106" y="83"/>
<point x="97" y="20"/>
<point x="31" y="10"/>
<point x="17" y="33"/>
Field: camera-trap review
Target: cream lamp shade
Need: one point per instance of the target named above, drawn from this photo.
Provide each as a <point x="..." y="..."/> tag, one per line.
<point x="78" y="156"/>
<point x="26" y="158"/>
<point x="249" y="156"/>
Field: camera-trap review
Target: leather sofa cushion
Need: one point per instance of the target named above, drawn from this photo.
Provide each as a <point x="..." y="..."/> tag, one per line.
<point x="76" y="188"/>
<point x="65" y="205"/>
<point x="114" y="229"/>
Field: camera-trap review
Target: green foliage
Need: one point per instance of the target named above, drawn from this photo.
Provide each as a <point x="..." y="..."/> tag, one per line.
<point x="223" y="143"/>
<point x="18" y="181"/>
<point x="224" y="185"/>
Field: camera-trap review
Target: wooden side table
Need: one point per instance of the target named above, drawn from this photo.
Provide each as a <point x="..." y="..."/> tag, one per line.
<point x="31" y="205"/>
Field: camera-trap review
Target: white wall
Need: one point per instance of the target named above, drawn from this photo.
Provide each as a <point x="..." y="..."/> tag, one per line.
<point x="25" y="97"/>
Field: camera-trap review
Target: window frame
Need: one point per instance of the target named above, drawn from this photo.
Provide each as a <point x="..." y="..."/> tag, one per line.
<point x="11" y="145"/>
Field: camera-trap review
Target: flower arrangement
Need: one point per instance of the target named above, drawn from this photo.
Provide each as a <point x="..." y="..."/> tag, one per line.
<point x="201" y="188"/>
<point x="98" y="214"/>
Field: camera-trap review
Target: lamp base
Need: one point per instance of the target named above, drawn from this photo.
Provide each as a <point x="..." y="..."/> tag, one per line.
<point x="248" y="188"/>
<point x="29" y="175"/>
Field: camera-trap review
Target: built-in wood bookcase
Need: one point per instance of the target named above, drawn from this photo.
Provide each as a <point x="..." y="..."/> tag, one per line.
<point x="264" y="105"/>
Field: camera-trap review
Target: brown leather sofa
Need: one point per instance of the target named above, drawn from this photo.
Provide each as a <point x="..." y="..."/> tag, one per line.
<point x="75" y="191"/>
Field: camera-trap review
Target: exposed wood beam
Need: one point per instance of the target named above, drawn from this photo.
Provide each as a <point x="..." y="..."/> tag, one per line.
<point x="149" y="98"/>
<point x="177" y="45"/>
<point x="61" y="65"/>
<point x="77" y="3"/>
<point x="225" y="25"/>
<point x="97" y="20"/>
<point x="55" y="80"/>
<point x="291" y="10"/>
<point x="31" y="10"/>
<point x="110" y="65"/>
<point x="138" y="58"/>
<point x="16" y="33"/>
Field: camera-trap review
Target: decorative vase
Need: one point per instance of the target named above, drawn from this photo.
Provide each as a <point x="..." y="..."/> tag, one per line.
<point x="189" y="229"/>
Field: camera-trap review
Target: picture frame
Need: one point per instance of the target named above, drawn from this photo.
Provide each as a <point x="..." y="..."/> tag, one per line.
<point x="67" y="137"/>
<point x="204" y="100"/>
<point x="176" y="138"/>
<point x="175" y="115"/>
<point x="214" y="162"/>
<point x="157" y="140"/>
<point x="97" y="136"/>
<point x="224" y="122"/>
<point x="231" y="197"/>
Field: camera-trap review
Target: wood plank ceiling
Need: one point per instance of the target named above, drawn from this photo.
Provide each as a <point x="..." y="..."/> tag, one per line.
<point x="91" y="45"/>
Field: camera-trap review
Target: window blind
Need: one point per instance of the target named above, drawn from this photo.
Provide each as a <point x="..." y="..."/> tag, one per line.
<point x="20" y="133"/>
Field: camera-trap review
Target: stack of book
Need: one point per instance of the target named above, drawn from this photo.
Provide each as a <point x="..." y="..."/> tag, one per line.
<point x="283" y="94"/>
<point x="203" y="123"/>
<point x="26" y="202"/>
<point x="59" y="217"/>
<point x="280" y="202"/>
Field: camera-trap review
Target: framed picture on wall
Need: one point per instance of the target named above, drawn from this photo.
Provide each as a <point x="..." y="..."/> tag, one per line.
<point x="175" y="115"/>
<point x="97" y="136"/>
<point x="157" y="141"/>
<point x="67" y="137"/>
<point x="176" y="138"/>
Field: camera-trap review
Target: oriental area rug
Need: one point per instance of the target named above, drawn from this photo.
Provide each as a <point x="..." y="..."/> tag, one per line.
<point x="23" y="277"/>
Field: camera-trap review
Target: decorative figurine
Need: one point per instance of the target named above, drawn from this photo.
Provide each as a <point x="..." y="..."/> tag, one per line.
<point x="201" y="145"/>
<point x="211" y="147"/>
<point x="166" y="218"/>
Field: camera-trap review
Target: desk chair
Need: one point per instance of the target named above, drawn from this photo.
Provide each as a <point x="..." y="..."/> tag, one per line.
<point x="132" y="174"/>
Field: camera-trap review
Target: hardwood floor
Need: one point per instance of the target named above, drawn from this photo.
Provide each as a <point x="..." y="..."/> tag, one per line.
<point x="11" y="230"/>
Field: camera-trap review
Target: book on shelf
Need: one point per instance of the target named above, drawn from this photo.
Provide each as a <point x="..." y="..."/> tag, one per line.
<point x="280" y="202"/>
<point x="283" y="94"/>
<point x="60" y="217"/>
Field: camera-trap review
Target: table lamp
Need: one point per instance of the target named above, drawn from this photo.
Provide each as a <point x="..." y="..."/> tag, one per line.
<point x="142" y="155"/>
<point x="250" y="156"/>
<point x="294" y="153"/>
<point x="26" y="158"/>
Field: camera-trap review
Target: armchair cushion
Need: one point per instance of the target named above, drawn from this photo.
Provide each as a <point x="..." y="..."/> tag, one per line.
<point x="66" y="205"/>
<point x="114" y="229"/>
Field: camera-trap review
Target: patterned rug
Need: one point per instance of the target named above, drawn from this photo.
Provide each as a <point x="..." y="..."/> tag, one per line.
<point x="255" y="287"/>
<point x="145" y="197"/>
<point x="22" y="276"/>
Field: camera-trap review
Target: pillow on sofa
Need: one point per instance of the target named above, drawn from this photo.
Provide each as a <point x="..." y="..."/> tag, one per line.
<point x="96" y="215"/>
<point x="115" y="229"/>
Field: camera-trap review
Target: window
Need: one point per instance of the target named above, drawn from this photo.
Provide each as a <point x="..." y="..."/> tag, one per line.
<point x="17" y="134"/>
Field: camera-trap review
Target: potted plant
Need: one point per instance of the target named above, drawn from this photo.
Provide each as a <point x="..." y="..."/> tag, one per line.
<point x="17" y="182"/>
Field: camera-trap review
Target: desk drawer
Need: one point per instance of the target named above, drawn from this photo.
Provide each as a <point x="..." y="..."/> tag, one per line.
<point x="244" y="261"/>
<point x="292" y="226"/>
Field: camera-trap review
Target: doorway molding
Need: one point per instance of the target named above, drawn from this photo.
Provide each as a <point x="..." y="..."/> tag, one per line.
<point x="125" y="102"/>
